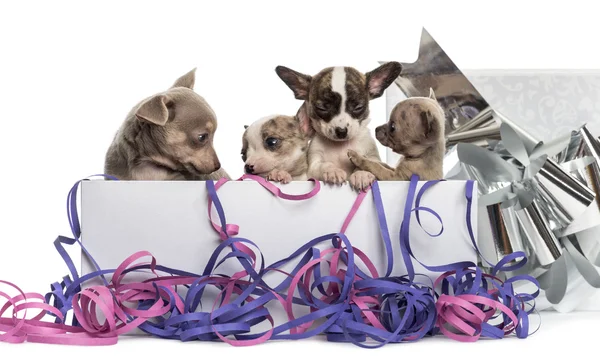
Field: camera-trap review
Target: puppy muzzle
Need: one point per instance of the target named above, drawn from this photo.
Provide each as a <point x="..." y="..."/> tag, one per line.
<point x="341" y="133"/>
<point x="202" y="171"/>
<point x="381" y="133"/>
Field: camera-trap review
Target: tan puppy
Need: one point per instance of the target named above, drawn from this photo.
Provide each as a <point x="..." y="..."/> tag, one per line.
<point x="415" y="131"/>
<point x="275" y="148"/>
<point x="168" y="136"/>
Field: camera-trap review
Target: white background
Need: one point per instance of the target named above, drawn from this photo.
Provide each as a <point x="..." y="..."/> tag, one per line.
<point x="70" y="71"/>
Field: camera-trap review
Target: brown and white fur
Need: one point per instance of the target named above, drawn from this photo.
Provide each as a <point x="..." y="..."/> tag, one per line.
<point x="337" y="104"/>
<point x="415" y="131"/>
<point x="275" y="147"/>
<point x="167" y="136"/>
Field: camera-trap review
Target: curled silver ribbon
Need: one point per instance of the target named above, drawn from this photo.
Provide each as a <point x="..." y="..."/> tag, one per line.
<point x="531" y="181"/>
<point x="523" y="182"/>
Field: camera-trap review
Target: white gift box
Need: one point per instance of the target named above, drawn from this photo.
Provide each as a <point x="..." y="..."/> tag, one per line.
<point x="170" y="220"/>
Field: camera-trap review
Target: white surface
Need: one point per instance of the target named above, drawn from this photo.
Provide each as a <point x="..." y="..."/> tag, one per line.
<point x="561" y="337"/>
<point x="70" y="71"/>
<point x="170" y="220"/>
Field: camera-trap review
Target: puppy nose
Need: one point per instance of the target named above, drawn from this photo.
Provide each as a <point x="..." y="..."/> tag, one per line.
<point x="341" y="132"/>
<point x="249" y="169"/>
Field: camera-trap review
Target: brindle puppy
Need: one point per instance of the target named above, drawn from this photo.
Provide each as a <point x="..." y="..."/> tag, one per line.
<point x="415" y="131"/>
<point x="336" y="105"/>
<point x="168" y="136"/>
<point x="275" y="147"/>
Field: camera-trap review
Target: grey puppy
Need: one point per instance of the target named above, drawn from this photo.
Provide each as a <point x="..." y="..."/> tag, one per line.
<point x="167" y="136"/>
<point x="415" y="131"/>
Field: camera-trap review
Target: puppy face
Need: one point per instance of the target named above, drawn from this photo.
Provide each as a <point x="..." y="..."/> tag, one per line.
<point x="182" y="125"/>
<point x="415" y="124"/>
<point x="275" y="142"/>
<point x="337" y="98"/>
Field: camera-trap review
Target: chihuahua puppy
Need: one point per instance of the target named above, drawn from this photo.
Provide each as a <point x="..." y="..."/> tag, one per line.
<point x="167" y="136"/>
<point x="415" y="131"/>
<point x="275" y="148"/>
<point x="336" y="105"/>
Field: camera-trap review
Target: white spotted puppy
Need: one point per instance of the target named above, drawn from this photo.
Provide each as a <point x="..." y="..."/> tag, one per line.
<point x="275" y="147"/>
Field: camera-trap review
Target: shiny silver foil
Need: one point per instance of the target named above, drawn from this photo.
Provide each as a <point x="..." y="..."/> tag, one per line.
<point x="566" y="195"/>
<point x="588" y="146"/>
<point x="544" y="243"/>
<point x="499" y="228"/>
<point x="464" y="106"/>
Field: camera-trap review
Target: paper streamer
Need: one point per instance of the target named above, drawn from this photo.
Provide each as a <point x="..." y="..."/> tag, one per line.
<point x="355" y="305"/>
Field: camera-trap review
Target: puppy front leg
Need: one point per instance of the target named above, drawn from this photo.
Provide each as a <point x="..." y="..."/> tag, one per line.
<point x="279" y="176"/>
<point x="326" y="171"/>
<point x="219" y="174"/>
<point x="380" y="172"/>
<point x="403" y="172"/>
<point x="387" y="166"/>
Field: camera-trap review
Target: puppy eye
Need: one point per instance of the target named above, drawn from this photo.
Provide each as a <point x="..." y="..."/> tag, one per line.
<point x="321" y="107"/>
<point x="202" y="137"/>
<point x="359" y="108"/>
<point x="392" y="127"/>
<point x="243" y="156"/>
<point x="271" y="142"/>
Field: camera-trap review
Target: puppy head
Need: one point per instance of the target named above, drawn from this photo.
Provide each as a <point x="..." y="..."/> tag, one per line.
<point x="415" y="124"/>
<point x="275" y="142"/>
<point x="337" y="98"/>
<point x="182" y="126"/>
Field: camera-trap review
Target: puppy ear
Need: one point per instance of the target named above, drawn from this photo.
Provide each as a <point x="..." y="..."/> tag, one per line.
<point x="299" y="83"/>
<point x="381" y="77"/>
<point x="432" y="94"/>
<point x="154" y="110"/>
<point x="304" y="120"/>
<point x="187" y="80"/>
<point x="428" y="123"/>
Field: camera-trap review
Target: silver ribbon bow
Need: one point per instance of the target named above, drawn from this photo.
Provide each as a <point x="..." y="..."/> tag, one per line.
<point x="530" y="200"/>
<point x="520" y="180"/>
<point x="534" y="197"/>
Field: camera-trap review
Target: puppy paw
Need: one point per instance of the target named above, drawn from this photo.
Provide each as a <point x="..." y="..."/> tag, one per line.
<point x="355" y="158"/>
<point x="360" y="180"/>
<point x="334" y="176"/>
<point x="279" y="176"/>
